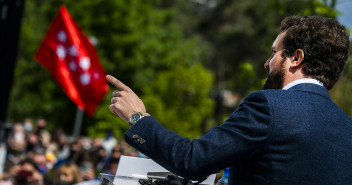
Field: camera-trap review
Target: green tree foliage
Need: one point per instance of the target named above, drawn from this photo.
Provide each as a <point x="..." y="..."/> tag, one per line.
<point x="342" y="91"/>
<point x="179" y="98"/>
<point x="136" y="38"/>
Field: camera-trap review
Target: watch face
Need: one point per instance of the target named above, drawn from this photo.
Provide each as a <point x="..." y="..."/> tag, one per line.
<point x="134" y="118"/>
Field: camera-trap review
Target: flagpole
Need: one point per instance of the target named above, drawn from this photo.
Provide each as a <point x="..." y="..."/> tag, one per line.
<point x="78" y="122"/>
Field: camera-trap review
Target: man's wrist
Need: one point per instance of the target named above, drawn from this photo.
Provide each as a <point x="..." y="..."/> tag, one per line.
<point x="136" y="117"/>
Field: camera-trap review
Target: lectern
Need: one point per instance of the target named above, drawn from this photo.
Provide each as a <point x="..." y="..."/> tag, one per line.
<point x="132" y="169"/>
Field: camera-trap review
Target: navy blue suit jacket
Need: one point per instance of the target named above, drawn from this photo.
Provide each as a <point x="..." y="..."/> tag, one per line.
<point x="282" y="137"/>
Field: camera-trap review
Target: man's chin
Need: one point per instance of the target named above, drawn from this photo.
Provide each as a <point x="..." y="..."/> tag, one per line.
<point x="267" y="85"/>
<point x="270" y="84"/>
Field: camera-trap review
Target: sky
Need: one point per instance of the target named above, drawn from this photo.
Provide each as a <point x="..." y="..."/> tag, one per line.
<point x="345" y="7"/>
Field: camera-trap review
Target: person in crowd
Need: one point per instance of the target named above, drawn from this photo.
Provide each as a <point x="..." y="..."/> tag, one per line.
<point x="27" y="173"/>
<point x="133" y="153"/>
<point x="40" y="126"/>
<point x="51" y="152"/>
<point x="290" y="133"/>
<point x="115" y="155"/>
<point x="28" y="125"/>
<point x="63" y="149"/>
<point x="109" y="142"/>
<point x="86" y="167"/>
<point x="75" y="149"/>
<point x="67" y="174"/>
<point x="39" y="159"/>
<point x="117" y="152"/>
<point x="99" y="157"/>
<point x="42" y="133"/>
<point x="97" y="143"/>
<point x="112" y="165"/>
<point x="5" y="179"/>
<point x="85" y="142"/>
<point x="16" y="146"/>
<point x="27" y="149"/>
<point x="32" y="141"/>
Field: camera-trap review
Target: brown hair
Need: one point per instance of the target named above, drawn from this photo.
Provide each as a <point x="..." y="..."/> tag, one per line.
<point x="324" y="42"/>
<point x="69" y="168"/>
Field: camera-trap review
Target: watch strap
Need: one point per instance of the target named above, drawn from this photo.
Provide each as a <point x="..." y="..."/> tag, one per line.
<point x="144" y="114"/>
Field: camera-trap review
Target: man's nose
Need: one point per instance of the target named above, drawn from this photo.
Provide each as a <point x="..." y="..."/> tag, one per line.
<point x="266" y="64"/>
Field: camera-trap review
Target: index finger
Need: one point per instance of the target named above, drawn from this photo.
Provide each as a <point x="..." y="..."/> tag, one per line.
<point x="117" y="83"/>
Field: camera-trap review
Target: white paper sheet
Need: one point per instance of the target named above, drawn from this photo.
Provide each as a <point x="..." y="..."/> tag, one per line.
<point x="131" y="169"/>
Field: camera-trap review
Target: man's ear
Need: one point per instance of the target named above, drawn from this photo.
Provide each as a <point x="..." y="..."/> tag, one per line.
<point x="297" y="58"/>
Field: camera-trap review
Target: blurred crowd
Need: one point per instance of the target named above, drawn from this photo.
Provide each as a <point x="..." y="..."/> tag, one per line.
<point x="36" y="156"/>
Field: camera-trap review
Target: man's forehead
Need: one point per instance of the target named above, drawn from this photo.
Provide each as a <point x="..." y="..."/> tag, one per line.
<point x="278" y="41"/>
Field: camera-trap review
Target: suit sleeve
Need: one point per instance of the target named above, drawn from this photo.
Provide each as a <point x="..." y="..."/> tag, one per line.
<point x="239" y="138"/>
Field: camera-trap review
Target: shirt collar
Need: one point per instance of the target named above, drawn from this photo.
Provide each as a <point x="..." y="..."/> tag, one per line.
<point x="303" y="80"/>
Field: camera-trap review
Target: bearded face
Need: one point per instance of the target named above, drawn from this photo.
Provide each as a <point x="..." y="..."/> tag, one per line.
<point x="275" y="78"/>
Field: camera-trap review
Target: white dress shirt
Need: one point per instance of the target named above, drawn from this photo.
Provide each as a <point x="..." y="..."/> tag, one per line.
<point x="301" y="81"/>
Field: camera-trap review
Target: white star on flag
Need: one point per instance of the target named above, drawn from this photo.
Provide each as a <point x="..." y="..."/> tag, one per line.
<point x="73" y="50"/>
<point x="62" y="36"/>
<point x="85" y="79"/>
<point x="84" y="63"/>
<point x="72" y="65"/>
<point x="60" y="52"/>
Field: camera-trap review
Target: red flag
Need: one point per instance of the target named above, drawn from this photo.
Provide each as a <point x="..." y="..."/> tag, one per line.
<point x="72" y="61"/>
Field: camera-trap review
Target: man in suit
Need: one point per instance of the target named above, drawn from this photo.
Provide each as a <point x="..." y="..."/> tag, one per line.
<point x="289" y="133"/>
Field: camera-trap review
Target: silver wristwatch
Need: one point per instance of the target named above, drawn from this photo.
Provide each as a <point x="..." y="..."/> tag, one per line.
<point x="136" y="117"/>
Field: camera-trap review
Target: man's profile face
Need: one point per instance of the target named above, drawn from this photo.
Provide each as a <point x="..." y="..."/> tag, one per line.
<point x="275" y="66"/>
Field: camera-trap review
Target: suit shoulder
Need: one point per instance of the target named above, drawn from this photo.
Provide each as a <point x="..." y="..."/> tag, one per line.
<point x="267" y="94"/>
<point x="259" y="100"/>
<point x="270" y="97"/>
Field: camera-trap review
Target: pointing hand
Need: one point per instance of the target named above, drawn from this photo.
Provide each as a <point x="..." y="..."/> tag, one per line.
<point x="124" y="102"/>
